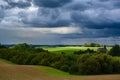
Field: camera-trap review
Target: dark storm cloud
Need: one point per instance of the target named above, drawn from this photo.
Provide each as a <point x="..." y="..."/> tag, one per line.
<point x="1" y="14"/>
<point x="60" y="23"/>
<point x="19" y="3"/>
<point x="96" y="14"/>
<point x="100" y="22"/>
<point x="94" y="33"/>
<point x="97" y="19"/>
<point x="80" y="13"/>
<point x="51" y="3"/>
<point x="78" y="6"/>
<point x="45" y="18"/>
<point x="117" y="4"/>
<point x="104" y="0"/>
<point x="94" y="18"/>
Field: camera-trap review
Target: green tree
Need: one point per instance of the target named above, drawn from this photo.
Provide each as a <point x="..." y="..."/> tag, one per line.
<point x="23" y="46"/>
<point x="92" y="45"/>
<point x="2" y="46"/>
<point x="74" y="69"/>
<point x="115" y="51"/>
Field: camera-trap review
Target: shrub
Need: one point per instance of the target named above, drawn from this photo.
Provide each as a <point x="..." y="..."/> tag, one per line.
<point x="64" y="68"/>
<point x="90" y="66"/>
<point x="35" y="60"/>
<point x="74" y="69"/>
<point x="115" y="51"/>
<point x="30" y="57"/>
<point x="44" y="62"/>
<point x="99" y="64"/>
<point x="116" y="66"/>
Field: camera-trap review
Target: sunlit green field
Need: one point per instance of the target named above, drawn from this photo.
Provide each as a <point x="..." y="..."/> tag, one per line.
<point x="70" y="50"/>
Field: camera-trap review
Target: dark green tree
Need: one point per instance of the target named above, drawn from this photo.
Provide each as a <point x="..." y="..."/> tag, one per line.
<point x="115" y="51"/>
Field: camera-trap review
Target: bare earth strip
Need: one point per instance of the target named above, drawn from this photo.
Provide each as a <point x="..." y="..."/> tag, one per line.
<point x="23" y="72"/>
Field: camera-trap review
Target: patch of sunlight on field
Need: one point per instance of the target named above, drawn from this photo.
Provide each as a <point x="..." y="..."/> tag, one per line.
<point x="53" y="71"/>
<point x="70" y="49"/>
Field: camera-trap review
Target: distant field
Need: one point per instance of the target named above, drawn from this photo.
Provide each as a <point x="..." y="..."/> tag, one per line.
<point x="69" y="50"/>
<point x="29" y="72"/>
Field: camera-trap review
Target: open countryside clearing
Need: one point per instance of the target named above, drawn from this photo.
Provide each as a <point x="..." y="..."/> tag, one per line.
<point x="70" y="49"/>
<point x="28" y="72"/>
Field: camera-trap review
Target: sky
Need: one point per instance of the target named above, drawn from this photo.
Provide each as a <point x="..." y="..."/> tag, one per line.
<point x="56" y="22"/>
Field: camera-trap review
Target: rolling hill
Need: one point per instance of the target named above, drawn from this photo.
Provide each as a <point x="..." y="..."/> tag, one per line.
<point x="29" y="72"/>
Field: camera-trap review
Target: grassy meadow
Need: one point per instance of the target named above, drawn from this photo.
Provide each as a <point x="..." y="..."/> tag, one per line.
<point x="70" y="49"/>
<point x="46" y="69"/>
<point x="53" y="71"/>
<point x="6" y="61"/>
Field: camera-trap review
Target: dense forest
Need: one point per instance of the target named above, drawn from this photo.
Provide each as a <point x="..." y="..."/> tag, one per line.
<point x="87" y="63"/>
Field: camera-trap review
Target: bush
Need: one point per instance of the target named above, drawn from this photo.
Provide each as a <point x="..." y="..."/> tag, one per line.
<point x="99" y="64"/>
<point x="92" y="45"/>
<point x="90" y="51"/>
<point x="44" y="62"/>
<point x="82" y="58"/>
<point x="115" y="51"/>
<point x="64" y="68"/>
<point x="116" y="66"/>
<point x="29" y="59"/>
<point x="90" y="66"/>
<point x="74" y="69"/>
<point x="37" y="59"/>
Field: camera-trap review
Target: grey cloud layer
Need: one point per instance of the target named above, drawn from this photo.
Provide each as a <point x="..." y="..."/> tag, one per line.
<point x="51" y="3"/>
<point x="99" y="18"/>
<point x="52" y="13"/>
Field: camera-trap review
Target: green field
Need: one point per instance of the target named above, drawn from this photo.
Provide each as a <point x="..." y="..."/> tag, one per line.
<point x="6" y="61"/>
<point x="53" y="71"/>
<point x="70" y="50"/>
<point x="48" y="70"/>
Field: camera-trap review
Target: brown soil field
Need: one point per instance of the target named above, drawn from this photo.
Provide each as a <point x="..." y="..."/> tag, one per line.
<point x="25" y="72"/>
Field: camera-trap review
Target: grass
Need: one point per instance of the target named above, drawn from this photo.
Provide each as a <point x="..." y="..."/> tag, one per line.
<point x="69" y="50"/>
<point x="25" y="72"/>
<point x="53" y="71"/>
<point x="6" y="61"/>
<point x="118" y="58"/>
<point x="48" y="70"/>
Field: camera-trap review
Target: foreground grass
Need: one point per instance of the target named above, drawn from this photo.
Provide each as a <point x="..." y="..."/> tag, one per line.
<point x="70" y="49"/>
<point x="6" y="61"/>
<point x="53" y="71"/>
<point x="48" y="70"/>
<point x="24" y="72"/>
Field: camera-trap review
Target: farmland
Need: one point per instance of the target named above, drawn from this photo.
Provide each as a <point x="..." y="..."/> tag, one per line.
<point x="63" y="65"/>
<point x="70" y="49"/>
<point x="9" y="71"/>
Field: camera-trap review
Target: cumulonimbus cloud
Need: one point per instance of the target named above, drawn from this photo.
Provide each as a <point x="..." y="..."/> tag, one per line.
<point x="95" y="18"/>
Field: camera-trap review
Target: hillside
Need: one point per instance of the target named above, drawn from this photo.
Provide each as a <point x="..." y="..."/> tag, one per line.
<point x="25" y="72"/>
